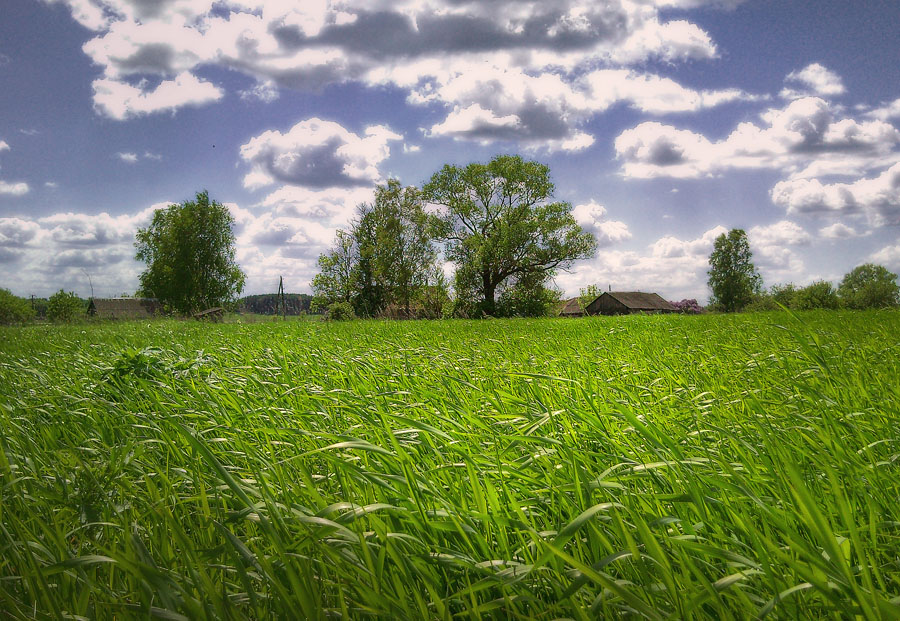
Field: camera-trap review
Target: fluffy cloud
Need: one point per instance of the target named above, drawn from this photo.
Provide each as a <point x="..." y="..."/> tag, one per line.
<point x="317" y="154"/>
<point x="812" y="80"/>
<point x="886" y="112"/>
<point x="592" y="218"/>
<point x="878" y="198"/>
<point x="806" y="138"/>
<point x="120" y="100"/>
<point x="15" y="188"/>
<point x="500" y="69"/>
<point x="838" y="230"/>
<point x="889" y="256"/>
<point x="128" y="158"/>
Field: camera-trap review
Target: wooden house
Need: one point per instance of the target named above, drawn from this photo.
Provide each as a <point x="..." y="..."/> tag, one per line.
<point x="627" y="302"/>
<point x="123" y="308"/>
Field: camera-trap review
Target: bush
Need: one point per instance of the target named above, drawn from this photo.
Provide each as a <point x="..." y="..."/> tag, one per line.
<point x="762" y="302"/>
<point x="688" y="307"/>
<point x="820" y="294"/>
<point x="339" y="311"/>
<point x="64" y="306"/>
<point x="14" y="309"/>
<point x="784" y="294"/>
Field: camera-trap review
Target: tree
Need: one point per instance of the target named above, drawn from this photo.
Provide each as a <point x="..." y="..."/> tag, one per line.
<point x="403" y="256"/>
<point x="334" y="282"/>
<point x="189" y="252"/>
<point x="64" y="306"/>
<point x="588" y="294"/>
<point x="869" y="286"/>
<point x="14" y="309"/>
<point x="498" y="222"/>
<point x="733" y="278"/>
<point x="385" y="258"/>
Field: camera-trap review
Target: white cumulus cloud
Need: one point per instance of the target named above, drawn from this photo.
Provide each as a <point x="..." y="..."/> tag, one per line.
<point x="317" y="153"/>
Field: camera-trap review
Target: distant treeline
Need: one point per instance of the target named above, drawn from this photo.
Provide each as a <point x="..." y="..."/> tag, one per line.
<point x="267" y="303"/>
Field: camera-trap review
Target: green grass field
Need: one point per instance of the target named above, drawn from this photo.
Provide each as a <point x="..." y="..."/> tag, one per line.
<point x="723" y="467"/>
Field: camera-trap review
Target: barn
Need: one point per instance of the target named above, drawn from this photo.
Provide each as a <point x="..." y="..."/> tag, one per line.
<point x="124" y="308"/>
<point x="626" y="302"/>
<point x="571" y="308"/>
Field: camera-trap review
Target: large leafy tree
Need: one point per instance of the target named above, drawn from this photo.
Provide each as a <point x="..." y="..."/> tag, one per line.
<point x="733" y="278"/>
<point x="499" y="222"/>
<point x="869" y="286"/>
<point x="189" y="252"/>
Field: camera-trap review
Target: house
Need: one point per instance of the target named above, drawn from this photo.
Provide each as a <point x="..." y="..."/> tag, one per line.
<point x="626" y="302"/>
<point x="124" y="308"/>
<point x="571" y="308"/>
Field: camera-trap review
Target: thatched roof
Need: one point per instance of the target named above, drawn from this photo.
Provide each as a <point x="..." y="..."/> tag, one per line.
<point x="640" y="301"/>
<point x="571" y="308"/>
<point x="123" y="308"/>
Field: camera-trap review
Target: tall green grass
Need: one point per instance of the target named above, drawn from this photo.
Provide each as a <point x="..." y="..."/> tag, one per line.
<point x="723" y="467"/>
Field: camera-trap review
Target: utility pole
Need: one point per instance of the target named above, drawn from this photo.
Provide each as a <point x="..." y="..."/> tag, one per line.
<point x="281" y="299"/>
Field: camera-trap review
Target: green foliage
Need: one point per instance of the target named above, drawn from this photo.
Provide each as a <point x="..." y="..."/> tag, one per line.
<point x="869" y="286"/>
<point x="733" y="278"/>
<point x="528" y="296"/>
<point x="499" y="222"/>
<point x="784" y="294"/>
<point x="334" y="282"/>
<point x="268" y="303"/>
<point x="386" y="258"/>
<point x="820" y="294"/>
<point x="339" y="311"/>
<point x="189" y="252"/>
<point x="14" y="309"/>
<point x="65" y="307"/>
<point x="664" y="467"/>
<point x="588" y="294"/>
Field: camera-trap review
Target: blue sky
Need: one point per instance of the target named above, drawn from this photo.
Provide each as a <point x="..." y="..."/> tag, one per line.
<point x="664" y="123"/>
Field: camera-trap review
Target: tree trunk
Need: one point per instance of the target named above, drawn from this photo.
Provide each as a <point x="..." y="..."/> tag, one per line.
<point x="489" y="287"/>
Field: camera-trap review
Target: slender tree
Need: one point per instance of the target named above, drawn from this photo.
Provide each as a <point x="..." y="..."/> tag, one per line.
<point x="733" y="278"/>
<point x="335" y="280"/>
<point x="189" y="252"/>
<point x="499" y="222"/>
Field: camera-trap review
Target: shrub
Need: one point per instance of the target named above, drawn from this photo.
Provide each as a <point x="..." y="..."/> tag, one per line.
<point x="763" y="302"/>
<point x="688" y="307"/>
<point x="14" y="309"/>
<point x="64" y="306"/>
<point x="820" y="294"/>
<point x="339" y="311"/>
<point x="784" y="294"/>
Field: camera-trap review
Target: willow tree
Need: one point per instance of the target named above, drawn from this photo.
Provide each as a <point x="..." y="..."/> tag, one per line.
<point x="500" y="223"/>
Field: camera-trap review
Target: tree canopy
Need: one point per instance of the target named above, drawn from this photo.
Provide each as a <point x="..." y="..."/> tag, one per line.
<point x="869" y="286"/>
<point x="386" y="258"/>
<point x="499" y="222"/>
<point x="733" y="278"/>
<point x="189" y="252"/>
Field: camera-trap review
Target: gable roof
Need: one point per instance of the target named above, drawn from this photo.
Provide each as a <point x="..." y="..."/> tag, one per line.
<point x="571" y="306"/>
<point x="638" y="300"/>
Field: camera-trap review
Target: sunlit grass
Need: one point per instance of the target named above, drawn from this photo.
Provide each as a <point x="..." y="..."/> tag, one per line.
<point x="685" y="467"/>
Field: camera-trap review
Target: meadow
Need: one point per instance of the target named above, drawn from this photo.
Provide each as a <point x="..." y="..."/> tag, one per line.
<point x="715" y="466"/>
